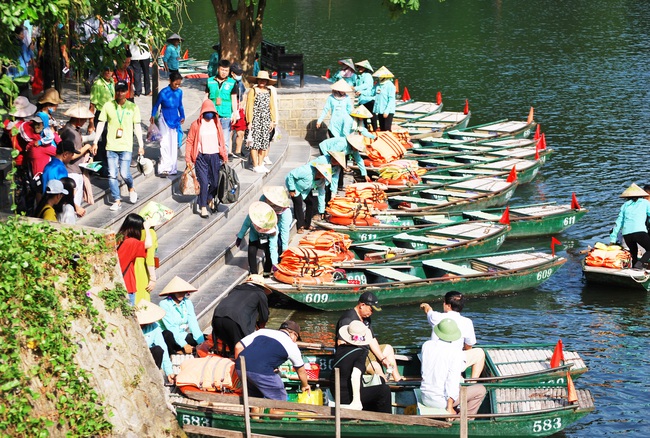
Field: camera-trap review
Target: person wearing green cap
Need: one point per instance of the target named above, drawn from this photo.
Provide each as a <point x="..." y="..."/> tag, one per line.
<point x="442" y="365"/>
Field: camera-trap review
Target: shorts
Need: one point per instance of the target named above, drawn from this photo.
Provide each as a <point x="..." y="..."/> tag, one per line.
<point x="240" y="124"/>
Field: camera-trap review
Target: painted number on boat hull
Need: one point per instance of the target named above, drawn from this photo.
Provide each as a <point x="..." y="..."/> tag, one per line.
<point x="543" y="275"/>
<point x="569" y="221"/>
<point x="195" y="421"/>
<point x="316" y="298"/>
<point x="364" y="237"/>
<point x="547" y="425"/>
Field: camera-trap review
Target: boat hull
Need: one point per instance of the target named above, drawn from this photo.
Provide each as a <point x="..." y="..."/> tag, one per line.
<point x="627" y="278"/>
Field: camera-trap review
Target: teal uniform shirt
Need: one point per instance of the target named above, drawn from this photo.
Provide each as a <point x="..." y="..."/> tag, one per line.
<point x="340" y="120"/>
<point x="631" y="218"/>
<point x="365" y="85"/>
<point x="340" y="144"/>
<point x="302" y="180"/>
<point x="179" y="319"/>
<point x="224" y="90"/>
<point x="254" y="235"/>
<point x="339" y="75"/>
<point x="172" y="54"/>
<point x="153" y="336"/>
<point x="385" y="98"/>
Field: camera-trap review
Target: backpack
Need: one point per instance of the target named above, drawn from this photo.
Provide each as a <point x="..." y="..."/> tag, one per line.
<point x="228" y="189"/>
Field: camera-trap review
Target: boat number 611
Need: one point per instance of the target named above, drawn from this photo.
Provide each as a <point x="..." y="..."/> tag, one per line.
<point x="569" y="221"/>
<point x="316" y="298"/>
<point x="547" y="425"/>
<point x="543" y="275"/>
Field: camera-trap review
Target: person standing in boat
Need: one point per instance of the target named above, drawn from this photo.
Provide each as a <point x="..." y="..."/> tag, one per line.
<point x="339" y="106"/>
<point x="442" y="365"/>
<point x="379" y="354"/>
<point x="384" y="108"/>
<point x="451" y="308"/>
<point x="631" y="221"/>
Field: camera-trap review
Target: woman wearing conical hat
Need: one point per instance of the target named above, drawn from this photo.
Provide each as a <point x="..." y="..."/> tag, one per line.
<point x="347" y="72"/>
<point x="301" y="182"/>
<point x="364" y="86"/>
<point x="261" y="225"/>
<point x="384" y="100"/>
<point x="180" y="327"/>
<point x="339" y="105"/>
<point x="148" y="315"/>
<point x="631" y="222"/>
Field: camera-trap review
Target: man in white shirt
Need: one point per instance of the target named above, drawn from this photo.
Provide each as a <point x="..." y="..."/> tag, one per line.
<point x="140" y="59"/>
<point x="451" y="308"/>
<point x="442" y="363"/>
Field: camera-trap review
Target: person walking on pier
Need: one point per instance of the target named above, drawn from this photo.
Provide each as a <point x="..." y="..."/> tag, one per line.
<point x="170" y="122"/>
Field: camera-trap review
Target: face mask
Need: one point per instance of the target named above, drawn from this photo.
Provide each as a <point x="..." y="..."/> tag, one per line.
<point x="50" y="110"/>
<point x="208" y="116"/>
<point x="238" y="78"/>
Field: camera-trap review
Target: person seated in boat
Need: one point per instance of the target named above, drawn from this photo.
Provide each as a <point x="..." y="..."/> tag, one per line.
<point x="451" y="307"/>
<point x="442" y="364"/>
<point x="261" y="226"/>
<point x="379" y="354"/>
<point x="181" y="329"/>
<point x="278" y="198"/>
<point x="148" y="315"/>
<point x="350" y="358"/>
<point x="301" y="182"/>
<point x="264" y="351"/>
<point x="240" y="313"/>
<point x="631" y="222"/>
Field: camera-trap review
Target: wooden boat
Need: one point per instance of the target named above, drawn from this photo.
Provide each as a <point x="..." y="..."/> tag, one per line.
<point x="627" y="278"/>
<point x="499" y="129"/>
<point x="413" y="110"/>
<point x="414" y="281"/>
<point x="436" y="124"/>
<point x="513" y="410"/>
<point x="465" y="165"/>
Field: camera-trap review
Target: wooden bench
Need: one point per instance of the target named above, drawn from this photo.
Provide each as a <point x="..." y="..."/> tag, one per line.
<point x="450" y="267"/>
<point x="393" y="274"/>
<point x="274" y="58"/>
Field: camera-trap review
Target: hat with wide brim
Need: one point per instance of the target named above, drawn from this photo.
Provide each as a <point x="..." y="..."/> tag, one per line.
<point x="51" y="95"/>
<point x="262" y="74"/>
<point x="342" y="86"/>
<point x="177" y="285"/>
<point x="277" y="195"/>
<point x="175" y="36"/>
<point x="258" y="280"/>
<point x="324" y="169"/>
<point x="634" y="191"/>
<point x="365" y="64"/>
<point x="24" y="108"/>
<point x="361" y="112"/>
<point x="348" y="63"/>
<point x="339" y="157"/>
<point x="383" y="72"/>
<point x="356" y="141"/>
<point x="262" y="216"/>
<point x="447" y="330"/>
<point x="79" y="111"/>
<point x="148" y="312"/>
<point x="356" y="333"/>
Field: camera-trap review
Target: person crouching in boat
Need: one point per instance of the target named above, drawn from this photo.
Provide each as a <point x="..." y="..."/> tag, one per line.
<point x="350" y="358"/>
<point x="148" y="315"/>
<point x="631" y="221"/>
<point x="262" y="234"/>
<point x="180" y="327"/>
<point x="442" y="365"/>
<point x="264" y="351"/>
<point x="301" y="183"/>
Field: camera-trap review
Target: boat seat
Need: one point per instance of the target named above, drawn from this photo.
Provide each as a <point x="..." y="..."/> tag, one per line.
<point x="482" y="215"/>
<point x="417" y="200"/>
<point x="393" y="274"/>
<point x="450" y="267"/>
<point x="376" y="247"/>
<point x="426" y="410"/>
<point x="440" y="241"/>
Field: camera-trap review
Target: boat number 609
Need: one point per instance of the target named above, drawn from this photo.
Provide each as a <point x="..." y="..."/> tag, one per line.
<point x="543" y="275"/>
<point x="547" y="425"/>
<point x="316" y="298"/>
<point x="569" y="220"/>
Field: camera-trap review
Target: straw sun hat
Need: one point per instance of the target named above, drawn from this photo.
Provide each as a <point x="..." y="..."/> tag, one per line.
<point x="341" y="86"/>
<point x="277" y="195"/>
<point x="262" y="74"/>
<point x="79" y="111"/>
<point x="383" y="72"/>
<point x="339" y="157"/>
<point x="324" y="169"/>
<point x="361" y="112"/>
<point x="347" y="62"/>
<point x="262" y="216"/>
<point x="258" y="280"/>
<point x="356" y="141"/>
<point x="634" y="191"/>
<point x="365" y="64"/>
<point x="148" y="312"/>
<point x="176" y="285"/>
<point x="51" y="96"/>
<point x="24" y="108"/>
<point x="356" y="333"/>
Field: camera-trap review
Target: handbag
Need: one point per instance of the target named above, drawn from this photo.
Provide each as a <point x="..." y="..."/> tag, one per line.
<point x="371" y="379"/>
<point x="189" y="184"/>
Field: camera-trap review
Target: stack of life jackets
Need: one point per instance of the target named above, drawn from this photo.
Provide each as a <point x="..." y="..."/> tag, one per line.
<point x="350" y="211"/>
<point x="385" y="149"/>
<point x="371" y="192"/>
<point x="301" y="266"/>
<point x="404" y="137"/>
<point x="401" y="173"/>
<point x="612" y="256"/>
<point x="336" y="243"/>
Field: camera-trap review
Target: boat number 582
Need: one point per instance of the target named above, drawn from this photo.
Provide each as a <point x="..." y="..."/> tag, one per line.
<point x="316" y="298"/>
<point x="543" y="275"/>
<point x="547" y="425"/>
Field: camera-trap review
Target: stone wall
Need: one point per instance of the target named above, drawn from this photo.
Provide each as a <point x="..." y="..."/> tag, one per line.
<point x="299" y="112"/>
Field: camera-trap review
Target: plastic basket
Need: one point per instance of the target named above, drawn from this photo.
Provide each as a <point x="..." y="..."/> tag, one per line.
<point x="312" y="370"/>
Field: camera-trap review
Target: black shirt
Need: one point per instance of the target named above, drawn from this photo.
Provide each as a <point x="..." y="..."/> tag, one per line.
<point x="245" y="304"/>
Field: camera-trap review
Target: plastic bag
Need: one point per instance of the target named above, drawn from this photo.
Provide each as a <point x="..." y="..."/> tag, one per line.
<point x="153" y="133"/>
<point x="156" y="213"/>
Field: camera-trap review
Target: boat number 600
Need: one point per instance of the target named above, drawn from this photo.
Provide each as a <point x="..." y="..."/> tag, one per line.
<point x="316" y="298"/>
<point x="547" y="425"/>
<point x="543" y="275"/>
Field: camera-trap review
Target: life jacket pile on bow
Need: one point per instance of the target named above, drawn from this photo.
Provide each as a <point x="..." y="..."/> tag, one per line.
<point x="336" y="243"/>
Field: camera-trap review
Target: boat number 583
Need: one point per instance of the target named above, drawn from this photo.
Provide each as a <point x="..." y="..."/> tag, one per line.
<point x="316" y="298"/>
<point x="195" y="421"/>
<point x="543" y="275"/>
<point x="547" y="425"/>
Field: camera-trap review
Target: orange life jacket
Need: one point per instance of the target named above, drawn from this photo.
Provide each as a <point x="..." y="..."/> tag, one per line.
<point x="336" y="243"/>
<point x="618" y="259"/>
<point x="385" y="149"/>
<point x="348" y="207"/>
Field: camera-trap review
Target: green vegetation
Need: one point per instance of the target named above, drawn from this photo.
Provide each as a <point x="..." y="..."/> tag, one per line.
<point x="46" y="276"/>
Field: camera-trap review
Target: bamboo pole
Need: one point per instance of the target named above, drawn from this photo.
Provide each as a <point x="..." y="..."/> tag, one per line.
<point x="337" y="401"/>
<point x="247" y="414"/>
<point x="463" y="411"/>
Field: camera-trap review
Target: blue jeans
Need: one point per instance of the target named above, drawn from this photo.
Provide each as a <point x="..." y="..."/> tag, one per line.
<point x="119" y="161"/>
<point x="225" y="124"/>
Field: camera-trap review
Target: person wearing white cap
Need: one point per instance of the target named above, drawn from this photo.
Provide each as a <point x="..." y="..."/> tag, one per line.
<point x="631" y="222"/>
<point x="180" y="327"/>
<point x="54" y="191"/>
<point x="278" y="198"/>
<point x="339" y="105"/>
<point x="384" y="108"/>
<point x="148" y="315"/>
<point x="261" y="225"/>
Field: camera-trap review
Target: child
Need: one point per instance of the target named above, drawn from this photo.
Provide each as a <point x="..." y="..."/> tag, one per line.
<point x="65" y="210"/>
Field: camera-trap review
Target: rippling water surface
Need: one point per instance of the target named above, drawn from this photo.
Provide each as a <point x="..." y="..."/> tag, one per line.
<point x="584" y="66"/>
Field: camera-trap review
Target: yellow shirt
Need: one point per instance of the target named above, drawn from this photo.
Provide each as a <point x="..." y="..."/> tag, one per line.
<point x="48" y="213"/>
<point x="120" y="117"/>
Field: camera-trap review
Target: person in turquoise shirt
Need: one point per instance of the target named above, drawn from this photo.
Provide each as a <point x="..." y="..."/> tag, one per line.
<point x="278" y="198"/>
<point x="261" y="226"/>
<point x="339" y="105"/>
<point x="148" y="315"/>
<point x="364" y="85"/>
<point x="256" y="64"/>
<point x="384" y="108"/>
<point x="347" y="72"/>
<point x="213" y="64"/>
<point x="301" y="183"/>
<point x="222" y="91"/>
<point x="181" y="329"/>
<point x="631" y="222"/>
<point x="352" y="145"/>
<point x="172" y="53"/>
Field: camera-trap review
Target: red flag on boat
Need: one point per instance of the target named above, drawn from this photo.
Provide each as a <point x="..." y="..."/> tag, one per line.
<point x="466" y="110"/>
<point x="406" y="96"/>
<point x="531" y="114"/>
<point x="505" y="217"/>
<point x="537" y="151"/>
<point x="572" y="395"/>
<point x="536" y="137"/>
<point x="554" y="242"/>
<point x="186" y="55"/>
<point x="396" y="86"/>
<point x="574" y="202"/>
<point x="438" y="98"/>
<point x="327" y="73"/>
<point x="558" y="355"/>
<point x="542" y="142"/>
<point x="512" y="177"/>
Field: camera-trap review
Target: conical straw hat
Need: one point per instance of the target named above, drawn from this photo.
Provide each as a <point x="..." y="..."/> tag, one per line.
<point x="634" y="191"/>
<point x="262" y="216"/>
<point x="177" y="284"/>
<point x="339" y="157"/>
<point x="347" y="62"/>
<point x="79" y="111"/>
<point x="51" y="95"/>
<point x="148" y="312"/>
<point x="365" y="64"/>
<point x="356" y="141"/>
<point x="342" y="86"/>
<point x="361" y="112"/>
<point x="324" y="168"/>
<point x="258" y="280"/>
<point x="383" y="72"/>
<point x="277" y="195"/>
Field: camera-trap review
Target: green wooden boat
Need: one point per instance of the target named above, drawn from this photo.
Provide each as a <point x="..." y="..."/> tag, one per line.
<point x="527" y="169"/>
<point x="436" y="124"/>
<point x="506" y="411"/>
<point x="416" y="281"/>
<point x="498" y="129"/>
<point x="414" y="110"/>
<point x="627" y="278"/>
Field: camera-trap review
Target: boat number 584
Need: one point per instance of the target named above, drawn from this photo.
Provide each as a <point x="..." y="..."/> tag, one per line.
<point x="543" y="275"/>
<point x="316" y="298"/>
<point x="547" y="425"/>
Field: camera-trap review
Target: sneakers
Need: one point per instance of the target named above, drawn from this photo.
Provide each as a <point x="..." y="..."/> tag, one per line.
<point x="264" y="169"/>
<point x="268" y="161"/>
<point x="116" y="206"/>
<point x="260" y="169"/>
<point x="133" y="197"/>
